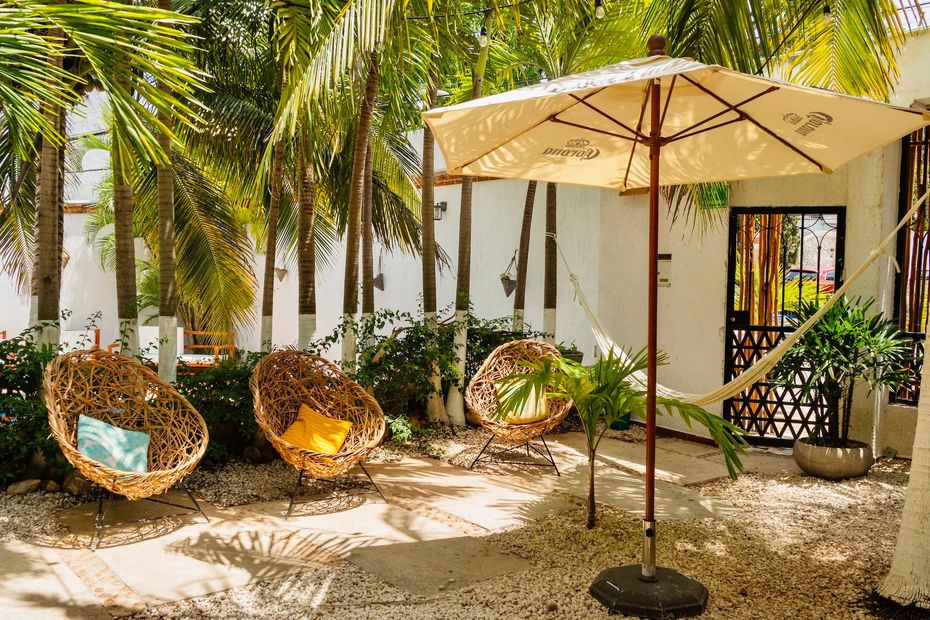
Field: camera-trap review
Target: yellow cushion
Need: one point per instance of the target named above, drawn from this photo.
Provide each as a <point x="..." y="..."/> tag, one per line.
<point x="535" y="408"/>
<point x="314" y="431"/>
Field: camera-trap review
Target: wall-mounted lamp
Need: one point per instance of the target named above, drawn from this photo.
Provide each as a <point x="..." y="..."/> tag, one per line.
<point x="438" y="209"/>
<point x="280" y="273"/>
<point x="378" y="282"/>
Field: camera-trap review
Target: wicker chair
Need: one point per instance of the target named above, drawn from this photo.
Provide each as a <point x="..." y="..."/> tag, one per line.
<point x="285" y="380"/>
<point x="123" y="392"/>
<point x="481" y="399"/>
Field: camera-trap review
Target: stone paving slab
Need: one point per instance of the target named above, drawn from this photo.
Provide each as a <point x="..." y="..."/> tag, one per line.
<point x="201" y="559"/>
<point x="625" y="490"/>
<point x="671" y="466"/>
<point x="429" y="567"/>
<point x="493" y="503"/>
<point x="36" y="584"/>
<point x="368" y="524"/>
<point x="758" y="461"/>
<point x="239" y="546"/>
<point x="689" y="448"/>
<point x="129" y="521"/>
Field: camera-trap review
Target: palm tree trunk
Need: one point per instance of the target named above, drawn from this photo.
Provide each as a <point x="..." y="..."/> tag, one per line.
<point x="908" y="580"/>
<point x="271" y="246"/>
<point x="435" y="408"/>
<point x="550" y="290"/>
<point x="368" y="240"/>
<point x="354" y="223"/>
<point x="519" y="299"/>
<point x="306" y="260"/>
<point x="167" y="252"/>
<point x="592" y="506"/>
<point x="126" y="306"/>
<point x="60" y="251"/>
<point x="47" y="274"/>
<point x="455" y="401"/>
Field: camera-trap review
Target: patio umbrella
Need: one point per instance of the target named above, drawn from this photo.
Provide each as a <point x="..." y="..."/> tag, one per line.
<point x="613" y="127"/>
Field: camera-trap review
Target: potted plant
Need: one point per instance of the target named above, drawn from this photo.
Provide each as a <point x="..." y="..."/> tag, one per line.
<point x="509" y="283"/>
<point x="847" y="346"/>
<point x="570" y="351"/>
<point x="603" y="393"/>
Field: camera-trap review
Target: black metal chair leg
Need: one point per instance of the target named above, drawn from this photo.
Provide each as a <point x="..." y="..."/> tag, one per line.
<point x="102" y="504"/>
<point x="373" y="483"/>
<point x="551" y="460"/>
<point x="196" y="503"/>
<point x="483" y="448"/>
<point x="290" y="508"/>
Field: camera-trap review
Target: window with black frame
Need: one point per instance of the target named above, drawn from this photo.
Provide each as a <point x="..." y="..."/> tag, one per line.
<point x="912" y="297"/>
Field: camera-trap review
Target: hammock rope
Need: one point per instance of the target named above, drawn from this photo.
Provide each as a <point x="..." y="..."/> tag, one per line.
<point x="764" y="365"/>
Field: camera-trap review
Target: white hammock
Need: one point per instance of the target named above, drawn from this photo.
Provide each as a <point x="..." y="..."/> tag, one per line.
<point x="761" y="368"/>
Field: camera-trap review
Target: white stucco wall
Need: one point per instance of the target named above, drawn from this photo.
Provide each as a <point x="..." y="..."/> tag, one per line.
<point x="497" y="215"/>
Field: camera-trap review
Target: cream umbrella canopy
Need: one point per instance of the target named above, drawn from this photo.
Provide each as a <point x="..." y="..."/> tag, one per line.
<point x="612" y="128"/>
<point x="715" y="124"/>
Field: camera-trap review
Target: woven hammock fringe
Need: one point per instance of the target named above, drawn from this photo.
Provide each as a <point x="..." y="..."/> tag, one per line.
<point x="767" y="362"/>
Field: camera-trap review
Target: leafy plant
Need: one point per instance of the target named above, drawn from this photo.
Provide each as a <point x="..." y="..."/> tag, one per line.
<point x="847" y="346"/>
<point x="221" y="394"/>
<point x="603" y="394"/>
<point x="23" y="419"/>
<point x="397" y="351"/>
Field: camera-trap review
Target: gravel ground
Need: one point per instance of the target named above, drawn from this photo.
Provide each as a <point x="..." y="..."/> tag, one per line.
<point x="801" y="548"/>
<point x="32" y="516"/>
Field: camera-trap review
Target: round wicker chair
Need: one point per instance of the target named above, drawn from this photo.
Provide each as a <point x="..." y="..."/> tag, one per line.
<point x="285" y="380"/>
<point x="123" y="392"/>
<point x="481" y="398"/>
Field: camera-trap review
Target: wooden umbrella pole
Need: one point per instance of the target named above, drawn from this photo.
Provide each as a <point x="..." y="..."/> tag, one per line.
<point x="656" y="48"/>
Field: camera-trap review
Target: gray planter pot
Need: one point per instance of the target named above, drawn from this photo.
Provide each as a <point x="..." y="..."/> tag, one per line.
<point x="510" y="285"/>
<point x="575" y="356"/>
<point x="833" y="463"/>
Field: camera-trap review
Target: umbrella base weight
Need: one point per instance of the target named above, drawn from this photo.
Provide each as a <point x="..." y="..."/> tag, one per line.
<point x="671" y="595"/>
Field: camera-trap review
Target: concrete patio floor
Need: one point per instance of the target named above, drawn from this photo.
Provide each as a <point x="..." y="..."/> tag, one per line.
<point x="435" y="517"/>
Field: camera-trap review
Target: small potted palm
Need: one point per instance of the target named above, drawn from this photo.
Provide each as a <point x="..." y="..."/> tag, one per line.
<point x="603" y="394"/>
<point x="849" y="345"/>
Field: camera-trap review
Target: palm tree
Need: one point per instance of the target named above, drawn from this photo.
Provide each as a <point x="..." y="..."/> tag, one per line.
<point x="213" y="278"/>
<point x="435" y="408"/>
<point x="52" y="69"/>
<point x="306" y="246"/>
<point x="125" y="254"/>
<point x="354" y="216"/>
<point x="167" y="284"/>
<point x="519" y="298"/>
<point x="47" y="277"/>
<point x="455" y="402"/>
<point x="271" y="245"/>
<point x="368" y="239"/>
<point x="908" y="579"/>
<point x="550" y="277"/>
<point x="603" y="394"/>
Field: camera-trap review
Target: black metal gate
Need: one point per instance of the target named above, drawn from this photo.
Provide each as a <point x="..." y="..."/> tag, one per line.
<point x="777" y="257"/>
<point x="912" y="286"/>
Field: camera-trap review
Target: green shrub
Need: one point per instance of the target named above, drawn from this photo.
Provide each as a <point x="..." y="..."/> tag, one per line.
<point x="24" y="427"/>
<point x="221" y="395"/>
<point x="397" y="350"/>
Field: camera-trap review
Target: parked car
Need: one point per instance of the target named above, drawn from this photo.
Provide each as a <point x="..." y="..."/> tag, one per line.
<point x="825" y="278"/>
